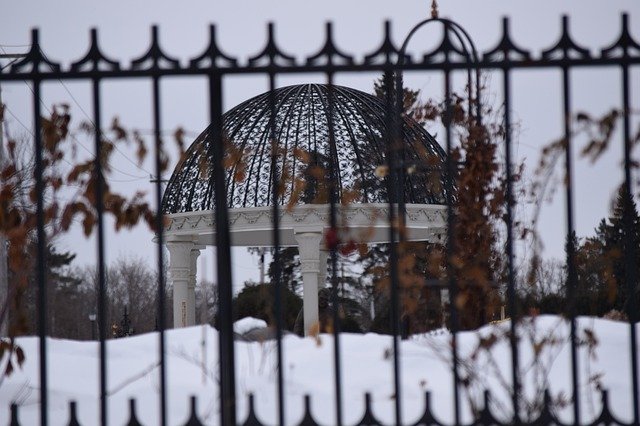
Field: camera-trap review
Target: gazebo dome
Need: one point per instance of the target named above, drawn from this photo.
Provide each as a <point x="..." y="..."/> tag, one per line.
<point x="302" y="135"/>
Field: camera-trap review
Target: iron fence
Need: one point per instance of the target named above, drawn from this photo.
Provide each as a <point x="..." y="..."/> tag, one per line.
<point x="455" y="53"/>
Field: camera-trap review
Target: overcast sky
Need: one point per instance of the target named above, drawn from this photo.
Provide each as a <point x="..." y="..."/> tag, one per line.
<point x="124" y="29"/>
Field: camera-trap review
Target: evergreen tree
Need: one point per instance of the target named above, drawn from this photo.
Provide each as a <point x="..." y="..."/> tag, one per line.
<point x="615" y="240"/>
<point x="588" y="297"/>
<point x="600" y="267"/>
<point x="290" y="274"/>
<point x="65" y="298"/>
<point x="600" y="261"/>
<point x="256" y="301"/>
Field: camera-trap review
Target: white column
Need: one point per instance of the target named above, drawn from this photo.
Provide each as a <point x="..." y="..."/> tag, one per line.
<point x="180" y="275"/>
<point x="322" y="274"/>
<point x="309" y="250"/>
<point x="191" y="289"/>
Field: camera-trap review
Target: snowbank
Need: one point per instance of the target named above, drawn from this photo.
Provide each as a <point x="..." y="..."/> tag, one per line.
<point x="247" y="324"/>
<point x="308" y="368"/>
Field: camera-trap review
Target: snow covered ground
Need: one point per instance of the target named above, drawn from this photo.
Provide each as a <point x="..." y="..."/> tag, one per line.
<point x="308" y="367"/>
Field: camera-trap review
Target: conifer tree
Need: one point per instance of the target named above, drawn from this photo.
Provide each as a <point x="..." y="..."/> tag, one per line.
<point x="601" y="268"/>
<point x="615" y="242"/>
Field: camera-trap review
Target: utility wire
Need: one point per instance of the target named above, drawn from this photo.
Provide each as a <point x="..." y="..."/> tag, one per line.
<point x="80" y="143"/>
<point x="133" y="179"/>
<point x="15" y="117"/>
<point x="74" y="137"/>
<point x="93" y="123"/>
<point x="187" y="133"/>
<point x="9" y="64"/>
<point x="91" y="120"/>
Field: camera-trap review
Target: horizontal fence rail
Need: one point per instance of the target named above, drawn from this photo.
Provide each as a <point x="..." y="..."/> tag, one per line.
<point x="455" y="53"/>
<point x="506" y="54"/>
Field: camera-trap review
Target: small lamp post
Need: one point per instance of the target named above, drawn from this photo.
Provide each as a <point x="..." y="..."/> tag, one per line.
<point x="92" y="319"/>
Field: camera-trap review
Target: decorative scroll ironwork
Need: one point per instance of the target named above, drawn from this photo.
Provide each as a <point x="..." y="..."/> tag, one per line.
<point x="387" y="51"/>
<point x="212" y="56"/>
<point x="271" y="54"/>
<point x="94" y="57"/>
<point x="30" y="64"/>
<point x="302" y="131"/>
<point x="625" y="43"/>
<point x="155" y="58"/>
<point x="193" y="416"/>
<point x="506" y="50"/>
<point x="329" y="54"/>
<point x="566" y="48"/>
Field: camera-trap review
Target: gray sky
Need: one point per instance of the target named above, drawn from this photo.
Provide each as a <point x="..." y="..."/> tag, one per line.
<point x="124" y="31"/>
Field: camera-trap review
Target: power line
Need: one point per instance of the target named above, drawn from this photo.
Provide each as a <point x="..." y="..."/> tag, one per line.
<point x="77" y="141"/>
<point x="9" y="64"/>
<point x="91" y="120"/>
<point x="133" y="179"/>
<point x="74" y="137"/>
<point x="151" y="132"/>
<point x="27" y="129"/>
<point x="188" y="133"/>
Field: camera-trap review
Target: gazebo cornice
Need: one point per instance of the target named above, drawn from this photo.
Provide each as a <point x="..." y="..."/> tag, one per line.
<point x="253" y="226"/>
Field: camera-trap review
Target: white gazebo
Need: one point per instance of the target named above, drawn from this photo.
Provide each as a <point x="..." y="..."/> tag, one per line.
<point x="303" y="158"/>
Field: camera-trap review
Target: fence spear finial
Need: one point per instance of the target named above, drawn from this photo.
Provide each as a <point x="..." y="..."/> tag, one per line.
<point x="434" y="9"/>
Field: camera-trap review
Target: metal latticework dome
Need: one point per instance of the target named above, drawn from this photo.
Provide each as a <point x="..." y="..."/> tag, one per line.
<point x="303" y="153"/>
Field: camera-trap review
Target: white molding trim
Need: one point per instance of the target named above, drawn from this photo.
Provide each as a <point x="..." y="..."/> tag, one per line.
<point x="362" y="222"/>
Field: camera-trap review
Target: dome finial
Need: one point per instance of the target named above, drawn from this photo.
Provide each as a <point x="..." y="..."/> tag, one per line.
<point x="434" y="9"/>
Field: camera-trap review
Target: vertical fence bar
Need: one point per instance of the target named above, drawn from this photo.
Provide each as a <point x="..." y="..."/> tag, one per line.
<point x="630" y="250"/>
<point x="157" y="128"/>
<point x="571" y="267"/>
<point x="511" y="290"/>
<point x="41" y="257"/>
<point x="394" y="224"/>
<point x="397" y="123"/>
<point x="223" y="257"/>
<point x="275" y="185"/>
<point x="399" y="142"/>
<point x="451" y="246"/>
<point x="333" y="222"/>
<point x="102" y="292"/>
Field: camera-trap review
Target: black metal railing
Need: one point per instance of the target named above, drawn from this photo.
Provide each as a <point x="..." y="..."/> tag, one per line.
<point x="455" y="53"/>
